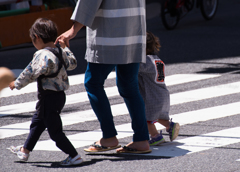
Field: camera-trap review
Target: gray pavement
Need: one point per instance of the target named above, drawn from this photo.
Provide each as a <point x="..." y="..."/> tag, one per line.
<point x="196" y="47"/>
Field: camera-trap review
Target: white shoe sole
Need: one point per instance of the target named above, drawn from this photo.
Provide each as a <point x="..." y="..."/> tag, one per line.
<point x="76" y="162"/>
<point x="176" y="131"/>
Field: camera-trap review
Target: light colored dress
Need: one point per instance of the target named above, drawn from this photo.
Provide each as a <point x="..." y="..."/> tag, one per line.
<point x="152" y="87"/>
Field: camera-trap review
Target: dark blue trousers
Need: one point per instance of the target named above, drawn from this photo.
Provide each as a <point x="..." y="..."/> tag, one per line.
<point x="127" y="83"/>
<point x="50" y="106"/>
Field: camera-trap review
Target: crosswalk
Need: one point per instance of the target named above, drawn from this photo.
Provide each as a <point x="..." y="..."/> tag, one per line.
<point x="179" y="147"/>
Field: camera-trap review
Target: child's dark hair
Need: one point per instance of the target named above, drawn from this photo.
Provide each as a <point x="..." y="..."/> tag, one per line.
<point x="45" y="29"/>
<point x="153" y="44"/>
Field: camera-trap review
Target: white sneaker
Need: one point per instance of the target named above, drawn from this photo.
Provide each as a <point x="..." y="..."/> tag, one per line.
<point x="72" y="161"/>
<point x="17" y="150"/>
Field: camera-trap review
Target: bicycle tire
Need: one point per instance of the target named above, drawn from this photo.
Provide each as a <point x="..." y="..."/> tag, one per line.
<point x="169" y="20"/>
<point x="208" y="8"/>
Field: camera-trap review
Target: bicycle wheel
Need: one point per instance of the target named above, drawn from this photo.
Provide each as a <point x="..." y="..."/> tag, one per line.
<point x="208" y="8"/>
<point x="169" y="14"/>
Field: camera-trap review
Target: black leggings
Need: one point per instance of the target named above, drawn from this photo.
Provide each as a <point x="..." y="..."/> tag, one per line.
<point x="52" y="104"/>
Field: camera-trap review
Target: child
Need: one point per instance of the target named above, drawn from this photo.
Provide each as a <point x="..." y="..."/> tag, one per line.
<point x="155" y="93"/>
<point x="48" y="66"/>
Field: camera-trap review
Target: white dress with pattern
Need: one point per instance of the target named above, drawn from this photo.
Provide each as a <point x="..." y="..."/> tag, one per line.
<point x="153" y="89"/>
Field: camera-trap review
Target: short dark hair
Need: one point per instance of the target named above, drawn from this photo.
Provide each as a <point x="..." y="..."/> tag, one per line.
<point x="153" y="44"/>
<point x="45" y="29"/>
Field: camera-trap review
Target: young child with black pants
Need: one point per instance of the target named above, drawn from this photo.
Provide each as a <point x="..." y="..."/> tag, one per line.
<point x="48" y="66"/>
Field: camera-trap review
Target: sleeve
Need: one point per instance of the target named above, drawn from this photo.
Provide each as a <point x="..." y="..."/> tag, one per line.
<point x="69" y="59"/>
<point x="35" y="68"/>
<point x="85" y="11"/>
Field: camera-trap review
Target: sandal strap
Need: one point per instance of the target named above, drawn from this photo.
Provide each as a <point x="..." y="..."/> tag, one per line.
<point x="98" y="146"/>
<point x="129" y="149"/>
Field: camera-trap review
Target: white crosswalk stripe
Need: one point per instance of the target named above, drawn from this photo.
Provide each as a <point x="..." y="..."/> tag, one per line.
<point x="112" y="91"/>
<point x="32" y="87"/>
<point x="125" y="130"/>
<point x="198" y="143"/>
<point x="178" y="147"/>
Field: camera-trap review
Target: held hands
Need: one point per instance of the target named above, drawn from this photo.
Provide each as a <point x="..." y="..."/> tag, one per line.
<point x="62" y="43"/>
<point x="64" y="38"/>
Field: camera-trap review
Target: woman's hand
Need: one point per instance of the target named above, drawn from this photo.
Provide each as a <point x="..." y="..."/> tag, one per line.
<point x="71" y="33"/>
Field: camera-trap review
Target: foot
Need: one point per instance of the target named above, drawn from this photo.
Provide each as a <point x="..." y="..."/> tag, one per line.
<point x="24" y="150"/>
<point x="18" y="151"/>
<point x="72" y="161"/>
<point x="140" y="146"/>
<point x="173" y="130"/>
<point x="156" y="140"/>
<point x="109" y="142"/>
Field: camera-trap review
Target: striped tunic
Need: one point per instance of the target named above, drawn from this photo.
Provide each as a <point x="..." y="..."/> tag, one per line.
<point x="152" y="87"/>
<point x="116" y="30"/>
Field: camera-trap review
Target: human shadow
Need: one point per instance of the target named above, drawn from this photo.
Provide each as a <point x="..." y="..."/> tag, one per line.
<point x="157" y="153"/>
<point x="232" y="68"/>
<point x="164" y="151"/>
<point x="221" y="70"/>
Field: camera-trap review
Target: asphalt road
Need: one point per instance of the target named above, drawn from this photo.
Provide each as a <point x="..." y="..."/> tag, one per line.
<point x="202" y="74"/>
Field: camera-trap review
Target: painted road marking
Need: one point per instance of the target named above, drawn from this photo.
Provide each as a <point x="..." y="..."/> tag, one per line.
<point x="67" y="119"/>
<point x="120" y="109"/>
<point x="197" y="143"/>
<point x="125" y="130"/>
<point x="32" y="87"/>
<point x="186" y="78"/>
<point x="205" y="93"/>
<point x="79" y="79"/>
<point x="176" y="98"/>
<point x="70" y="99"/>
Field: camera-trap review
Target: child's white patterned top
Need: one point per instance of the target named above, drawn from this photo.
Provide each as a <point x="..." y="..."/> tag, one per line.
<point x="46" y="63"/>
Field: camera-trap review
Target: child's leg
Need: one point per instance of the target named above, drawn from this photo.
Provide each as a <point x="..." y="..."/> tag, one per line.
<point x="53" y="106"/>
<point x="152" y="129"/>
<point x="165" y="123"/>
<point x="36" y="128"/>
<point x="171" y="127"/>
<point x="156" y="138"/>
<point x="54" y="126"/>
